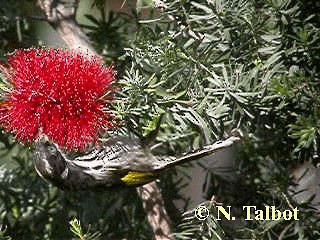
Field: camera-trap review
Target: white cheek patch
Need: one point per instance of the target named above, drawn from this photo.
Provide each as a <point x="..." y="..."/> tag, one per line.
<point x="65" y="173"/>
<point x="48" y="168"/>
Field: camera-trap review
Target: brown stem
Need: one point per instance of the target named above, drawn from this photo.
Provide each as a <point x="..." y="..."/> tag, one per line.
<point x="61" y="15"/>
<point x="154" y="207"/>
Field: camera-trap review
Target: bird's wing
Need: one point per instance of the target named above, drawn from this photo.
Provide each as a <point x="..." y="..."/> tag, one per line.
<point x="118" y="154"/>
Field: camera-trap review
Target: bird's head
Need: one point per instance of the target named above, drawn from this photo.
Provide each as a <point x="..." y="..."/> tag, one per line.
<point x="50" y="162"/>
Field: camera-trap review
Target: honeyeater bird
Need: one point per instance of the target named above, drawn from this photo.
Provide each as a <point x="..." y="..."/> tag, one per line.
<point x="120" y="161"/>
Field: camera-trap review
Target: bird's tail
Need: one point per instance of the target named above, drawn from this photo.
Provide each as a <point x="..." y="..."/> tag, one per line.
<point x="207" y="150"/>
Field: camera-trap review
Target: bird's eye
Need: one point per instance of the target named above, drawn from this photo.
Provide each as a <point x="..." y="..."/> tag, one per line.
<point x="51" y="149"/>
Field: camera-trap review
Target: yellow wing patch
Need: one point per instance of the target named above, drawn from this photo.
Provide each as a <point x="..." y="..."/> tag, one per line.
<point x="137" y="178"/>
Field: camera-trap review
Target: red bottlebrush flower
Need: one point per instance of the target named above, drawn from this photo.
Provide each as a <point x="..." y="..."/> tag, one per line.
<point x="58" y="92"/>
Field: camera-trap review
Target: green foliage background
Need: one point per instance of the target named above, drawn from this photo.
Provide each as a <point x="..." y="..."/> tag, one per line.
<point x="214" y="68"/>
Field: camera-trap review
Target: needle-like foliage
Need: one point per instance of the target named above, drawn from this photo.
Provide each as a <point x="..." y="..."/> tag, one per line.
<point x="206" y="70"/>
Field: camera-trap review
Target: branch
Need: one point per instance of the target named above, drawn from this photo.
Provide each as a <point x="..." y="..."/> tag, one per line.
<point x="156" y="213"/>
<point x="61" y="15"/>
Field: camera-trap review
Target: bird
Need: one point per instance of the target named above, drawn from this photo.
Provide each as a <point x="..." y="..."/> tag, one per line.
<point x="120" y="161"/>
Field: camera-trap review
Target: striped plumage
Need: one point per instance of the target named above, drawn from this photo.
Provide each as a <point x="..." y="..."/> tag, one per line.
<point x="119" y="162"/>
